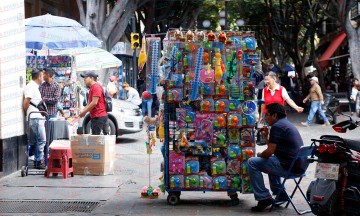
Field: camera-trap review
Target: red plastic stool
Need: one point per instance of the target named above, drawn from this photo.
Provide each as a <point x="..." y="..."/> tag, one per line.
<point x="60" y="161"/>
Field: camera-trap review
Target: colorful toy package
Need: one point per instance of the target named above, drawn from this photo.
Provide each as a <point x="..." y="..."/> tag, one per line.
<point x="204" y="126"/>
<point x="218" y="166"/>
<point x="220" y="183"/>
<point x="234" y="182"/>
<point x="191" y="165"/>
<point x="176" y="163"/>
<point x="192" y="182"/>
<point x="205" y="181"/>
<point x="233" y="167"/>
<point x="177" y="182"/>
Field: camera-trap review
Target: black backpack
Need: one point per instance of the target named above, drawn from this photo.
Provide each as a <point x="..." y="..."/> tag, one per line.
<point x="108" y="100"/>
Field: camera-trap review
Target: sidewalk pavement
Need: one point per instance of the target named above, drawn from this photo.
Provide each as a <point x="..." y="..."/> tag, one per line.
<point x="119" y="194"/>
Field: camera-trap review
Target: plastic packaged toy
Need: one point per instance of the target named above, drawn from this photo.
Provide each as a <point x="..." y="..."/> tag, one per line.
<point x="180" y="116"/>
<point x="207" y="89"/>
<point x="234" y="120"/>
<point x="233" y="167"/>
<point x="177" y="182"/>
<point x="218" y="166"/>
<point x="220" y="183"/>
<point x="234" y="182"/>
<point x="204" y="126"/>
<point x="246" y="187"/>
<point x="205" y="181"/>
<point x="222" y="105"/>
<point x="207" y="105"/>
<point x="192" y="182"/>
<point x="234" y="151"/>
<point x="220" y="121"/>
<point x="191" y="165"/>
<point x="247" y="153"/>
<point x="176" y="163"/>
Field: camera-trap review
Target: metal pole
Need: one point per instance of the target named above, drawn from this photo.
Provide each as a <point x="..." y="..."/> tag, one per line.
<point x="226" y="15"/>
<point x="133" y="76"/>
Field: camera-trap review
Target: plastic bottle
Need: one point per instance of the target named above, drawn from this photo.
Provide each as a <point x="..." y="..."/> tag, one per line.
<point x="214" y="169"/>
<point x="172" y="182"/>
<point x="201" y="182"/>
<point x="187" y="183"/>
<point x="188" y="169"/>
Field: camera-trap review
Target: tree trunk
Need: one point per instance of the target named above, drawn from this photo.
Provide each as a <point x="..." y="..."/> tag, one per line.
<point x="353" y="37"/>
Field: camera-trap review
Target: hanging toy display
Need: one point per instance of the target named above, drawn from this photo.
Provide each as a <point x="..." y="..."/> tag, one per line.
<point x="195" y="84"/>
<point x="154" y="67"/>
<point x="142" y="55"/>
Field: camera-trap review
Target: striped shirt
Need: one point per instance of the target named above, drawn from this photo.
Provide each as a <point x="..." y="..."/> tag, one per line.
<point x="50" y="93"/>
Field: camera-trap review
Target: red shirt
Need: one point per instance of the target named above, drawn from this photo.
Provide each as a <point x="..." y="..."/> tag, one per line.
<point x="99" y="110"/>
<point x="276" y="98"/>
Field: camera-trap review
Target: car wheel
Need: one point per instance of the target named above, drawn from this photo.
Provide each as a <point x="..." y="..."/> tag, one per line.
<point x="112" y="127"/>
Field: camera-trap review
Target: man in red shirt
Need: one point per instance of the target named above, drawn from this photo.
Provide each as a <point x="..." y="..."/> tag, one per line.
<point x="96" y="105"/>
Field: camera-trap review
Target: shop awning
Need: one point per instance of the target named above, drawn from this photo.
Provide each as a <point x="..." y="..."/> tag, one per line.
<point x="324" y="59"/>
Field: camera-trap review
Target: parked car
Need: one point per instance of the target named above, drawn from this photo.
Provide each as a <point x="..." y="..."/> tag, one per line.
<point x="125" y="118"/>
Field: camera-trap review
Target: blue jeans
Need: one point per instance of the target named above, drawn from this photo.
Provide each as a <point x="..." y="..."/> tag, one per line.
<point x="316" y="107"/>
<point x="258" y="165"/>
<point x="146" y="106"/>
<point x="37" y="137"/>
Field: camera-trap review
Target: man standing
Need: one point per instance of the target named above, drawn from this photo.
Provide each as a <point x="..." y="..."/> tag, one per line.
<point x="96" y="105"/>
<point x="112" y="87"/>
<point x="50" y="91"/>
<point x="37" y="134"/>
<point x="317" y="99"/>
<point x="282" y="146"/>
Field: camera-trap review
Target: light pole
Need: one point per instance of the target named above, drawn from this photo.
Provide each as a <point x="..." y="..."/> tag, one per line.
<point x="224" y="17"/>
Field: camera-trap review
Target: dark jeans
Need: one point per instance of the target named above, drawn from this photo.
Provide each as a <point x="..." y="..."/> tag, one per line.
<point x="99" y="124"/>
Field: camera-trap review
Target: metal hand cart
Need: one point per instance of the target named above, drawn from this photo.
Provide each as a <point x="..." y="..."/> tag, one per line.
<point x="31" y="169"/>
<point x="173" y="197"/>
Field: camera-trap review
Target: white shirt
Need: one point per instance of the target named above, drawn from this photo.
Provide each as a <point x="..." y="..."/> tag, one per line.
<point x="111" y="88"/>
<point x="133" y="96"/>
<point x="354" y="92"/>
<point x="284" y="93"/>
<point x="32" y="91"/>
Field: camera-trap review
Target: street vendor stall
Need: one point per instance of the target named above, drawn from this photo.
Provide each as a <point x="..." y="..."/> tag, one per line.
<point x="209" y="109"/>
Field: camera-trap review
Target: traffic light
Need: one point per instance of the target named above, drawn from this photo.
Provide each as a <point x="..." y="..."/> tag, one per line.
<point x="135" y="41"/>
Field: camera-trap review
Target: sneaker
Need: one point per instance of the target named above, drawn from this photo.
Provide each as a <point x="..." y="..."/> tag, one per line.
<point x="32" y="157"/>
<point x="262" y="204"/>
<point x="305" y="124"/>
<point x="326" y="124"/>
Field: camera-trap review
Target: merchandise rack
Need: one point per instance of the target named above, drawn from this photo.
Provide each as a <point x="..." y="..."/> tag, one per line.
<point x="233" y="181"/>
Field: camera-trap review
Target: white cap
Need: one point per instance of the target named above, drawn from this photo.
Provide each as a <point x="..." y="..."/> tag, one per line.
<point x="315" y="79"/>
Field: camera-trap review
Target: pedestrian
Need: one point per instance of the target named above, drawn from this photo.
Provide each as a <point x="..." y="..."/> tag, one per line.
<point x="275" y="93"/>
<point x="283" y="143"/>
<point x="353" y="95"/>
<point x="50" y="91"/>
<point x="36" y="133"/>
<point x="96" y="105"/>
<point x="112" y="87"/>
<point x="146" y="106"/>
<point x="317" y="99"/>
<point x="132" y="95"/>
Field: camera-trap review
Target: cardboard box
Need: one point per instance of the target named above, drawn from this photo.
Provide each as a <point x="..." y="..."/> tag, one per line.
<point x="93" y="154"/>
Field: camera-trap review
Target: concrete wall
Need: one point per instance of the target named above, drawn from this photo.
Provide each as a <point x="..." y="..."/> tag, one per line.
<point x="12" y="82"/>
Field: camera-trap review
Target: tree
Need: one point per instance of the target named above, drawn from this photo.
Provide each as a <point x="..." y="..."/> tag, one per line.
<point x="110" y="25"/>
<point x="352" y="32"/>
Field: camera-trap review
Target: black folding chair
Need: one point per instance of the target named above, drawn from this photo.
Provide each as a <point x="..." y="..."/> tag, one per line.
<point x="304" y="153"/>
